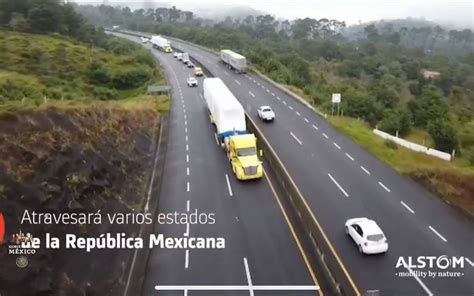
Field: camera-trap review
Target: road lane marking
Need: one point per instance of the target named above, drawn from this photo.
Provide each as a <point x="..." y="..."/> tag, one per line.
<point x="365" y="170"/>
<point x="339" y="186"/>
<point x="306" y="119"/>
<point x="273" y="94"/>
<point x="186" y="138"/>
<point x="187" y="230"/>
<point x="187" y="157"/>
<point x="296" y="139"/>
<point x="188" y="186"/>
<point x="188" y="205"/>
<point x="337" y="146"/>
<point x="258" y="83"/>
<point x="217" y="141"/>
<point x="251" y="94"/>
<point x="384" y="187"/>
<point x="291" y="108"/>
<point x="249" y="278"/>
<point x="298" y="113"/>
<point x="185" y="122"/>
<point x="187" y="147"/>
<point x="326" y="136"/>
<point x="185" y="117"/>
<point x="419" y="281"/>
<point x="236" y="81"/>
<point x="186" y="130"/>
<point x="228" y="184"/>
<point x="187" y="171"/>
<point x="349" y="156"/>
<point x="278" y="98"/>
<point x="438" y="234"/>
<point x="407" y="207"/>
<point x="186" y="259"/>
<point x="284" y="102"/>
<point x="315" y="127"/>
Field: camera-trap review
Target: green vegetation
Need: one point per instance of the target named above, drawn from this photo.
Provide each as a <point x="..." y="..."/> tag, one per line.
<point x="36" y="68"/>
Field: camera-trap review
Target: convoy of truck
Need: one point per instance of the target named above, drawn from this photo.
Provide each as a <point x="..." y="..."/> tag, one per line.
<point x="234" y="60"/>
<point x="228" y="116"/>
<point x="161" y="43"/>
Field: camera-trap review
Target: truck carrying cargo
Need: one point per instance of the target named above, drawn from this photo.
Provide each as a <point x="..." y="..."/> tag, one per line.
<point x="185" y="57"/>
<point x="161" y="43"/>
<point x="234" y="60"/>
<point x="228" y="116"/>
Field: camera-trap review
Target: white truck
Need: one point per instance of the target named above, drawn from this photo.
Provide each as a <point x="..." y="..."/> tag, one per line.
<point x="228" y="116"/>
<point x="234" y="60"/>
<point x="161" y="43"/>
<point x="185" y="57"/>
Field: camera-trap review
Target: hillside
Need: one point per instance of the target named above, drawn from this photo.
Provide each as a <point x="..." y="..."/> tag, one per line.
<point x="77" y="135"/>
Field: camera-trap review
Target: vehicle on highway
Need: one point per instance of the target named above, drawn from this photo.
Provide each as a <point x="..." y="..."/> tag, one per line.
<point x="190" y="64"/>
<point x="144" y="39"/>
<point x="367" y="235"/>
<point x="234" y="60"/>
<point x="179" y="56"/>
<point x="191" y="81"/>
<point x="175" y="54"/>
<point x="228" y="116"/>
<point x="161" y="43"/>
<point x="198" y="71"/>
<point x="185" y="57"/>
<point x="266" y="113"/>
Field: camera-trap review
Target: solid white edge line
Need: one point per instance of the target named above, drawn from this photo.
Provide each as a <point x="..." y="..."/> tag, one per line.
<point x="365" y="170"/>
<point x="249" y="278"/>
<point x="337" y="146"/>
<point x="235" y="288"/>
<point x="384" y="187"/>
<point x="407" y="207"/>
<point x="228" y="184"/>
<point x="339" y="186"/>
<point x="438" y="234"/>
<point x="251" y="94"/>
<point x="296" y="139"/>
<point x="186" y="260"/>
<point x="419" y="281"/>
<point x="349" y="156"/>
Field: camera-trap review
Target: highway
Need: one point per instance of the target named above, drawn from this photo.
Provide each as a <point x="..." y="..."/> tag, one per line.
<point x="261" y="247"/>
<point x="340" y="180"/>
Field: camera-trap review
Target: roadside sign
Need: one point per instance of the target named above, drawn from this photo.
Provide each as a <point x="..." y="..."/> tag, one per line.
<point x="336" y="98"/>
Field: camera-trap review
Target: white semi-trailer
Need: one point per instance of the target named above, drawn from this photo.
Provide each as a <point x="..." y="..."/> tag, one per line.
<point x="228" y="116"/>
<point x="234" y="60"/>
<point x="161" y="43"/>
<point x="185" y="57"/>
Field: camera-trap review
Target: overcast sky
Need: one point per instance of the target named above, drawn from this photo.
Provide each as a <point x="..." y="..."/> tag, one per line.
<point x="458" y="13"/>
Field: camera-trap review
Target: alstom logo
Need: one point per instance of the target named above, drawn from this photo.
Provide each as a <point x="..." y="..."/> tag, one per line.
<point x="2" y="228"/>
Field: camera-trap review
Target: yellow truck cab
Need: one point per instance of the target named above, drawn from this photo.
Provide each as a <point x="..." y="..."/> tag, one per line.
<point x="168" y="49"/>
<point x="242" y="154"/>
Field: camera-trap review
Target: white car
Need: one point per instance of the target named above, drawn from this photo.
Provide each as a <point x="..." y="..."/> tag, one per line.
<point x="266" y="113"/>
<point x="175" y="54"/>
<point x="144" y="39"/>
<point x="190" y="64"/>
<point x="192" y="82"/>
<point x="179" y="56"/>
<point x="367" y="235"/>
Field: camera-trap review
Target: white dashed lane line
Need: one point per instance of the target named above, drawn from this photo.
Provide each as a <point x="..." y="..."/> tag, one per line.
<point x="236" y="81"/>
<point x="315" y="127"/>
<point x="349" y="156"/>
<point x="326" y="136"/>
<point x="384" y="187"/>
<point x="298" y="113"/>
<point x="407" y="207"/>
<point x="438" y="234"/>
<point x="296" y="138"/>
<point x="187" y="157"/>
<point x="188" y="187"/>
<point x="228" y="185"/>
<point x="337" y="146"/>
<point x="338" y="186"/>
<point x="251" y="94"/>
<point x="291" y="108"/>
<point x="365" y="170"/>
<point x="306" y="119"/>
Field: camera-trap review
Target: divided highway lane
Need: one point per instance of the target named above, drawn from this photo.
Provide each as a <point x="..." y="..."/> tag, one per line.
<point x="341" y="180"/>
<point x="260" y="247"/>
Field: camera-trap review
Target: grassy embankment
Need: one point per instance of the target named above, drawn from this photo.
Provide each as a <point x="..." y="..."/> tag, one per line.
<point x="76" y="135"/>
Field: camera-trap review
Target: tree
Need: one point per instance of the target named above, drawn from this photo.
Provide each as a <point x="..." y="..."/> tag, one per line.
<point x="396" y="120"/>
<point x="372" y="33"/>
<point x="45" y="16"/>
<point x="443" y="134"/>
